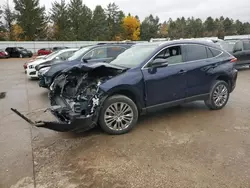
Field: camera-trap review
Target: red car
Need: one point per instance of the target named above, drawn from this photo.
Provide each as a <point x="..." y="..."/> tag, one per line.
<point x="3" y="54"/>
<point x="44" y="51"/>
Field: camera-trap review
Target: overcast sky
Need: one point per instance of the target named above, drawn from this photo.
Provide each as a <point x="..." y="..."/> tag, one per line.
<point x="236" y="9"/>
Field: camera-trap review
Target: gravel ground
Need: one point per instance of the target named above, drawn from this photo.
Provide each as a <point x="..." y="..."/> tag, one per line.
<point x="187" y="146"/>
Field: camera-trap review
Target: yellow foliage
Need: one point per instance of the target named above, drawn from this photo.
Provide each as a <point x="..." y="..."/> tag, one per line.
<point x="17" y="32"/>
<point x="131" y="28"/>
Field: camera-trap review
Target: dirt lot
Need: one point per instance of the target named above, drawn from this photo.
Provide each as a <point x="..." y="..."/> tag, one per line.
<point x="187" y="146"/>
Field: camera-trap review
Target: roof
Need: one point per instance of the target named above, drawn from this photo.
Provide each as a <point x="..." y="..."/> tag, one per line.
<point x="187" y="41"/>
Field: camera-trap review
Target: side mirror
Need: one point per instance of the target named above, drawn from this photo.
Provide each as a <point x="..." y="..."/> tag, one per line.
<point x="159" y="63"/>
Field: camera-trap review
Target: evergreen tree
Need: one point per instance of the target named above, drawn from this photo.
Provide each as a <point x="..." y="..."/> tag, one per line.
<point x="9" y="17"/>
<point x="150" y="27"/>
<point x="32" y="19"/>
<point x="80" y="20"/>
<point x="61" y="22"/>
<point x="114" y="20"/>
<point x="99" y="28"/>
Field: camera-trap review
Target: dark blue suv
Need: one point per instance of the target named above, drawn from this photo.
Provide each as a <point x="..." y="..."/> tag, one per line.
<point x="145" y="78"/>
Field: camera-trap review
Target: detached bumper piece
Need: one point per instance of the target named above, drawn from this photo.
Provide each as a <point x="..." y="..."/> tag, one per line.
<point x="76" y="124"/>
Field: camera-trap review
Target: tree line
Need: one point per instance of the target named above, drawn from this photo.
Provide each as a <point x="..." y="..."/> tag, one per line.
<point x="29" y="21"/>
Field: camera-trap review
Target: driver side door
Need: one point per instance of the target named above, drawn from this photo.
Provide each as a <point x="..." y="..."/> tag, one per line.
<point x="167" y="85"/>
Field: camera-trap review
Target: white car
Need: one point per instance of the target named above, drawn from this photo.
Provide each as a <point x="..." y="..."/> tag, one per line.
<point x="55" y="56"/>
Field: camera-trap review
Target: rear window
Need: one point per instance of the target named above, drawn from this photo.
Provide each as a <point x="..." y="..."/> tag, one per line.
<point x="246" y="45"/>
<point x="195" y="52"/>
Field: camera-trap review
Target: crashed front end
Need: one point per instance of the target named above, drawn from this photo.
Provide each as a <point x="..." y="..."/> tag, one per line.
<point x="76" y="99"/>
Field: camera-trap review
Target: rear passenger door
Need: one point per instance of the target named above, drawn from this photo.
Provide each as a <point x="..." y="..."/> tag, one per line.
<point x="198" y="59"/>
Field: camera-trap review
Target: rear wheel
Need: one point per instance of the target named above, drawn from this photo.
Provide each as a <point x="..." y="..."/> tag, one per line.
<point x="118" y="115"/>
<point x="219" y="95"/>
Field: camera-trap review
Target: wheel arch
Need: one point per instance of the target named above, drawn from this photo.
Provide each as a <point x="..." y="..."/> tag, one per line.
<point x="128" y="92"/>
<point x="225" y="78"/>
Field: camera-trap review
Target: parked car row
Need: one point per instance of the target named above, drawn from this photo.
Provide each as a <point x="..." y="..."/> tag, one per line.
<point x="111" y="85"/>
<point x="22" y="52"/>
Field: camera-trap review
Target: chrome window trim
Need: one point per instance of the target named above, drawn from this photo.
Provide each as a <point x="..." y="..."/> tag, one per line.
<point x="144" y="67"/>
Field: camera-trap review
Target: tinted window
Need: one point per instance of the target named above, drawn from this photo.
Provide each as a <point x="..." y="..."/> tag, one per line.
<point x="209" y="53"/>
<point x="173" y="55"/>
<point x="215" y="52"/>
<point x="246" y="45"/>
<point x="115" y="51"/>
<point x="238" y="46"/>
<point x="195" y="52"/>
<point x="97" y="53"/>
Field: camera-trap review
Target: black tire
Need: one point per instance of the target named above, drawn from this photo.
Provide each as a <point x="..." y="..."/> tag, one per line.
<point x="210" y="102"/>
<point x="118" y="99"/>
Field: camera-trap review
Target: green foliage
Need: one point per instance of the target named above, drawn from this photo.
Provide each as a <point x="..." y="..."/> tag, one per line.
<point x="9" y="17"/>
<point x="80" y="20"/>
<point x="60" y="19"/>
<point x="150" y="27"/>
<point x="75" y="21"/>
<point x="114" y="20"/>
<point x="99" y="25"/>
<point x="32" y="18"/>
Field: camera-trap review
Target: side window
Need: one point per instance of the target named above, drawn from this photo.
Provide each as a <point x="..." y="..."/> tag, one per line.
<point x="215" y="52"/>
<point x="115" y="51"/>
<point x="97" y="53"/>
<point x="209" y="53"/>
<point x="246" y="45"/>
<point x="195" y="52"/>
<point x="238" y="46"/>
<point x="173" y="55"/>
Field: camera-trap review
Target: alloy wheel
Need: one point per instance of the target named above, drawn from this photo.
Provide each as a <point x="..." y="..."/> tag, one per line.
<point x="220" y="95"/>
<point x="118" y="116"/>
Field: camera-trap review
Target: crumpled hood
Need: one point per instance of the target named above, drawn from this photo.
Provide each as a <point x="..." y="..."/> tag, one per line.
<point x="90" y="66"/>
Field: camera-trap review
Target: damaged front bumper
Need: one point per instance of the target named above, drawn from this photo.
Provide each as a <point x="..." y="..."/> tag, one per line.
<point x="75" y="124"/>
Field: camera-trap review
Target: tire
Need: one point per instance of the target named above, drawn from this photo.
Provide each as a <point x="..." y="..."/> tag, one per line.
<point x="222" y="88"/>
<point x="120" y="101"/>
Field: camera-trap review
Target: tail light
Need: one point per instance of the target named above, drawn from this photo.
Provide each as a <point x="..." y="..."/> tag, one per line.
<point x="233" y="60"/>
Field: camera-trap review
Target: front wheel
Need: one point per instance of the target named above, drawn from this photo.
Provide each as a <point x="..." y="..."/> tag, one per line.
<point x="219" y="95"/>
<point x="118" y="115"/>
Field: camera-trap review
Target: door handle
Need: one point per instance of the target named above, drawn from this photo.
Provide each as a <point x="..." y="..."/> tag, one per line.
<point x="182" y="72"/>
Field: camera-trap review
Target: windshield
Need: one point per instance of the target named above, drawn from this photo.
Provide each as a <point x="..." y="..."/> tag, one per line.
<point x="78" y="54"/>
<point x="134" y="56"/>
<point x="227" y="45"/>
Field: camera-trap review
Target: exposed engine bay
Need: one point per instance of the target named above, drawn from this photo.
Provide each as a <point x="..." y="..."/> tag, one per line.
<point x="76" y="97"/>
